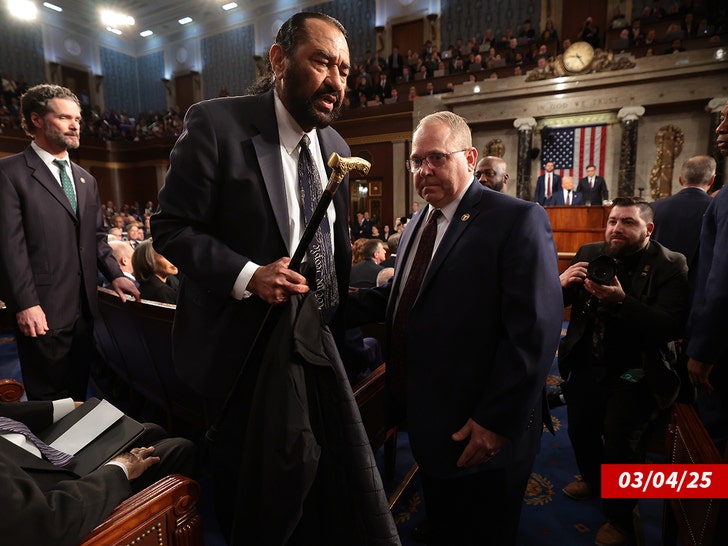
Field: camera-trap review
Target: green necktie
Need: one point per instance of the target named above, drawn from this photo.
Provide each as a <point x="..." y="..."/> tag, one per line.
<point x="66" y="183"/>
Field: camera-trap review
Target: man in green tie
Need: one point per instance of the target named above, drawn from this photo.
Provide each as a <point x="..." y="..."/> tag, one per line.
<point x="52" y="245"/>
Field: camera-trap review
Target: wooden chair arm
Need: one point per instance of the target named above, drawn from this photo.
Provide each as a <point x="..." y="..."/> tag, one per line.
<point x="165" y="513"/>
<point x="11" y="390"/>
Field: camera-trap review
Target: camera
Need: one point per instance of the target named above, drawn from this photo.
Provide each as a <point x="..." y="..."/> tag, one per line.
<point x="557" y="398"/>
<point x="602" y="270"/>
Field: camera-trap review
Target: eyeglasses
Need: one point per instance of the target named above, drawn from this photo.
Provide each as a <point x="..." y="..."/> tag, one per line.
<point x="434" y="160"/>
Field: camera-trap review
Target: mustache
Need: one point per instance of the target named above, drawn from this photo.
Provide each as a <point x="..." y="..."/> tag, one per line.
<point x="326" y="90"/>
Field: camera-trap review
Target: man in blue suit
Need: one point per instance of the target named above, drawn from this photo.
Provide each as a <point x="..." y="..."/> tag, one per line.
<point x="547" y="184"/>
<point x="707" y="344"/>
<point x="566" y="195"/>
<point x="678" y="218"/>
<point x="469" y="357"/>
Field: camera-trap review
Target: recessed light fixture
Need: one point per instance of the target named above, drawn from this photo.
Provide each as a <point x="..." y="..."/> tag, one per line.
<point x="114" y="30"/>
<point x="116" y="19"/>
<point x="229" y="6"/>
<point x="48" y="5"/>
<point x="22" y="9"/>
<point x="185" y="20"/>
<point x="145" y="33"/>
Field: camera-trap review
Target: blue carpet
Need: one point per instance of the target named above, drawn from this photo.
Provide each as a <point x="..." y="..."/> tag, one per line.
<point x="549" y="517"/>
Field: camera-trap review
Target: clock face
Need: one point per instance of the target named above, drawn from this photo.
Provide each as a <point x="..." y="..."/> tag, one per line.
<point x="578" y="57"/>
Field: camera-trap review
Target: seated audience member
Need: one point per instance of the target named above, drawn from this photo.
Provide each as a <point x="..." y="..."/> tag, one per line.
<point x="356" y="249"/>
<point x="44" y="503"/>
<point x="384" y="275"/>
<point x="134" y="234"/>
<point x="392" y="244"/>
<point x="552" y="32"/>
<point x="675" y="47"/>
<point x="123" y="252"/>
<point x="364" y="273"/>
<point x="156" y="275"/>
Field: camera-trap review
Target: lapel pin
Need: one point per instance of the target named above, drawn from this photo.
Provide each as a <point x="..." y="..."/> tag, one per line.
<point x="465" y="217"/>
<point x="83" y="180"/>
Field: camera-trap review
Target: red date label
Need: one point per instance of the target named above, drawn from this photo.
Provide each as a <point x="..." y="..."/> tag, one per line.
<point x="651" y="481"/>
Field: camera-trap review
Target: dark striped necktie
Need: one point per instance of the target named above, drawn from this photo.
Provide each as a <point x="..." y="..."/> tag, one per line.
<point x="58" y="458"/>
<point x="320" y="252"/>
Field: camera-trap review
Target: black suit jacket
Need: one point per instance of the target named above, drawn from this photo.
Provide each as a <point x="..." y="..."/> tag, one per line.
<point x="364" y="274"/>
<point x="224" y="204"/>
<point x="49" y="256"/>
<point x="678" y="219"/>
<point x="652" y="314"/>
<point x="595" y="196"/>
<point x="43" y="503"/>
<point x="492" y="369"/>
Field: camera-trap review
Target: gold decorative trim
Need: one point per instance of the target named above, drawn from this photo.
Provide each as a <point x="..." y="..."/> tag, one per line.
<point x="595" y="118"/>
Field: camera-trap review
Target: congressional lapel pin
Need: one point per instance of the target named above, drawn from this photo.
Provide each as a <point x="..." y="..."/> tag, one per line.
<point x="83" y="180"/>
<point x="465" y="217"/>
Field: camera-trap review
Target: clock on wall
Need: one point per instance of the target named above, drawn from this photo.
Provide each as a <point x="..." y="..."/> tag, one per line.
<point x="578" y="57"/>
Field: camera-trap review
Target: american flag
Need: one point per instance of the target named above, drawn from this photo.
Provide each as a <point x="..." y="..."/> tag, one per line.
<point x="573" y="148"/>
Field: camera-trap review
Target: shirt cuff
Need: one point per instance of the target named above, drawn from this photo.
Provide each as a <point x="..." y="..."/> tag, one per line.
<point x="62" y="407"/>
<point x="120" y="465"/>
<point x="240" y="288"/>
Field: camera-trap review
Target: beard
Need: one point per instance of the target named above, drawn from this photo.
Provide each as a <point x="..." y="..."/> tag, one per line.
<point x="303" y="109"/>
<point x="69" y="141"/>
<point x="622" y="249"/>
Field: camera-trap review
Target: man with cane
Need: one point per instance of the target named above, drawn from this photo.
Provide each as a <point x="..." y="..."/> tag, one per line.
<point x="244" y="179"/>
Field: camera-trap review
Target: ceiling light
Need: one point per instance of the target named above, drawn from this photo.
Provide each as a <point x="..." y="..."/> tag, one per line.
<point x="114" y="30"/>
<point x="185" y="20"/>
<point x="22" y="9"/>
<point x="115" y="19"/>
<point x="48" y="5"/>
<point x="145" y="33"/>
<point x="229" y="6"/>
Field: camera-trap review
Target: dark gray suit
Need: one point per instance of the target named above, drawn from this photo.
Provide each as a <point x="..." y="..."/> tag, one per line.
<point x="49" y="257"/>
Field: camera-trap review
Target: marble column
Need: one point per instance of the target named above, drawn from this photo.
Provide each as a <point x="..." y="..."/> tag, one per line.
<point x="629" y="116"/>
<point x="715" y="107"/>
<point x="525" y="127"/>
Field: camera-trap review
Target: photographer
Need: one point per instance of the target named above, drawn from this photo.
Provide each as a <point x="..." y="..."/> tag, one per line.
<point x="629" y="299"/>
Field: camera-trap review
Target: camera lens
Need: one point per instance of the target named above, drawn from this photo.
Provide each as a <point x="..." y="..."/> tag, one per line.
<point x="602" y="270"/>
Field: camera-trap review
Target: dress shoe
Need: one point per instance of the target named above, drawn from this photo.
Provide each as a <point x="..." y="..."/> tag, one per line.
<point x="610" y="535"/>
<point x="579" y="490"/>
<point x="420" y="533"/>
